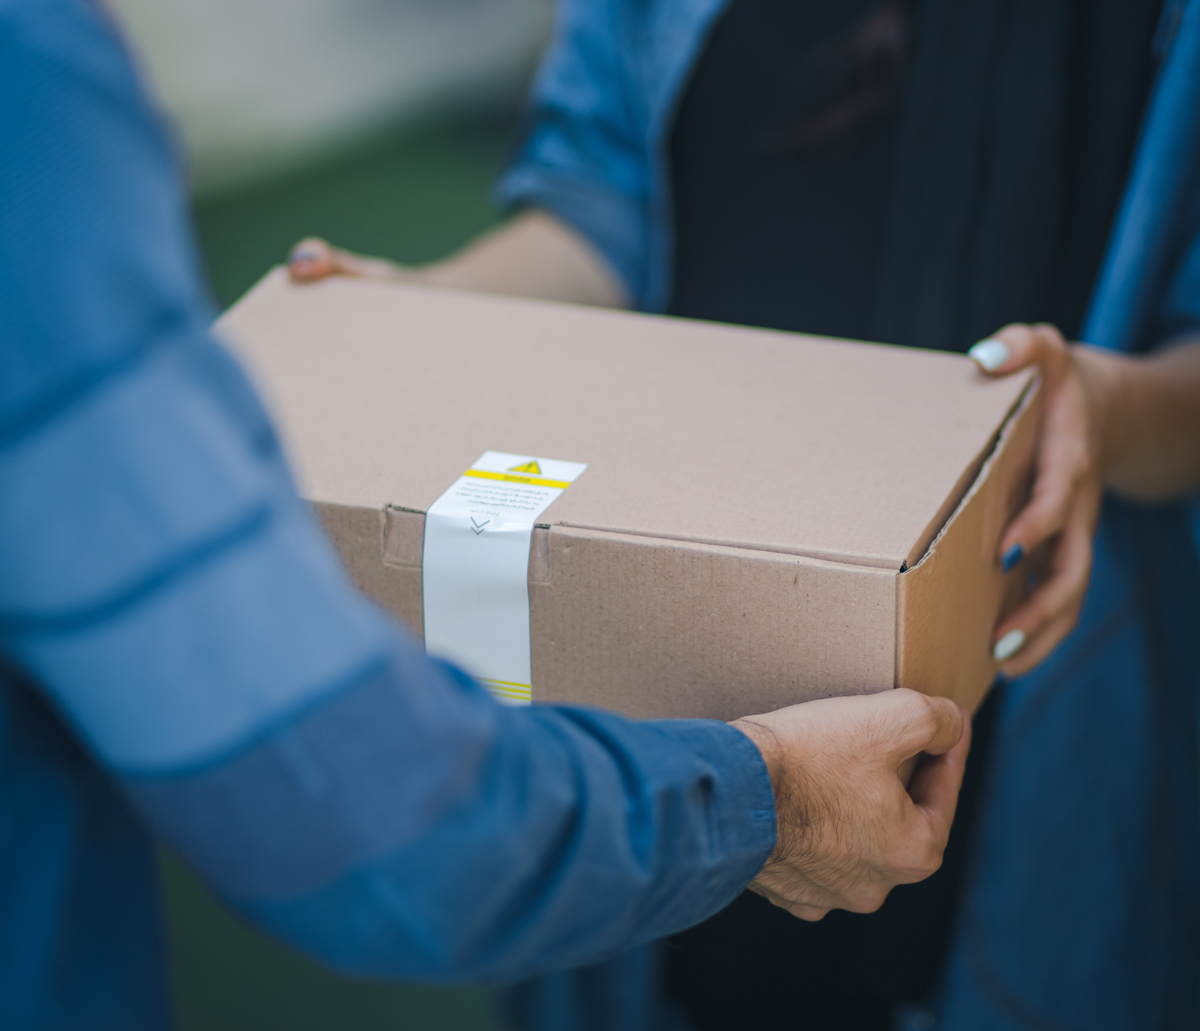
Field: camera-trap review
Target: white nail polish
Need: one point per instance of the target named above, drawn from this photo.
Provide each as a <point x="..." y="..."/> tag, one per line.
<point x="1009" y="645"/>
<point x="990" y="353"/>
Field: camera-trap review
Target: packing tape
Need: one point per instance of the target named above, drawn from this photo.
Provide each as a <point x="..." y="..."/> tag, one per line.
<point x="475" y="567"/>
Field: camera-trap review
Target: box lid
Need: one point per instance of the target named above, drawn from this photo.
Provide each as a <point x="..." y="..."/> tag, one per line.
<point x="695" y="431"/>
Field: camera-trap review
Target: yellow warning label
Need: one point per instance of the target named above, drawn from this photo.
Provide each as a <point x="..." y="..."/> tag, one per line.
<point x="479" y="474"/>
<point x="527" y="467"/>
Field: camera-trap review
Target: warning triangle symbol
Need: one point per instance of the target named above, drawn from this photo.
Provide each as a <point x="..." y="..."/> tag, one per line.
<point x="527" y="467"/>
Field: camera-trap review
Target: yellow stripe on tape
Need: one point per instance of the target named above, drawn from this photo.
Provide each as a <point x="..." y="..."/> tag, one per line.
<point x="522" y="692"/>
<point x="533" y="481"/>
<point x="506" y="683"/>
<point x="511" y="696"/>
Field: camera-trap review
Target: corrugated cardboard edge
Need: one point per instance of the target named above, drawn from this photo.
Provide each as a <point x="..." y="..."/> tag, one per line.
<point x="970" y="479"/>
<point x="656" y="628"/>
<point x="360" y="533"/>
<point x="953" y="597"/>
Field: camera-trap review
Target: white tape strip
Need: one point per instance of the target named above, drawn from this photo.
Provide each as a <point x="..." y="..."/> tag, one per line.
<point x="475" y="567"/>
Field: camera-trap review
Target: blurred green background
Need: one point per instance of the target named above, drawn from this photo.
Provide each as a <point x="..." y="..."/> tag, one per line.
<point x="412" y="196"/>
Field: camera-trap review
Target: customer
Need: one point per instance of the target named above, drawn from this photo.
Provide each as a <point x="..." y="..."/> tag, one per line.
<point x="921" y="174"/>
<point x="182" y="656"/>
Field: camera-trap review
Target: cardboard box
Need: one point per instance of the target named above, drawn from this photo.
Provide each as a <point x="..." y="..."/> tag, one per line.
<point x="765" y="518"/>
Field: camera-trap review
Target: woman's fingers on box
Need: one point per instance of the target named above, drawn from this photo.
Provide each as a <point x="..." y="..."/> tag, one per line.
<point x="1038" y="649"/>
<point x="312" y="258"/>
<point x="1046" y="512"/>
<point x="1066" y="472"/>
<point x="1067" y="465"/>
<point x="1018" y="345"/>
<point x="1030" y="633"/>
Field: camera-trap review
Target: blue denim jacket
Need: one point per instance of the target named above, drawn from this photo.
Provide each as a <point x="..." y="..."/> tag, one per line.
<point x="1080" y="904"/>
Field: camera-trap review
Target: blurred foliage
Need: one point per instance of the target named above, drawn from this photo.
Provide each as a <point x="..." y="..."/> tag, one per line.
<point x="412" y="197"/>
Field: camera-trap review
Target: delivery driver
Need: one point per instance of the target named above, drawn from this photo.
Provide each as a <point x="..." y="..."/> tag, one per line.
<point x="182" y="657"/>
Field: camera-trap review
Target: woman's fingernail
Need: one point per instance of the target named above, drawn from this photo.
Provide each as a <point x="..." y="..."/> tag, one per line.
<point x="299" y="256"/>
<point x="1009" y="645"/>
<point x="1012" y="556"/>
<point x="990" y="353"/>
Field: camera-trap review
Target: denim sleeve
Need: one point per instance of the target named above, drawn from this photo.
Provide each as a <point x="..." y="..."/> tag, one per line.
<point x="583" y="154"/>
<point x="162" y="582"/>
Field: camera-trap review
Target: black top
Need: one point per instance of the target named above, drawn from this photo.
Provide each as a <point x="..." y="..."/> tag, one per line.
<point x="771" y="232"/>
<point x="915" y="174"/>
<point x="919" y="175"/>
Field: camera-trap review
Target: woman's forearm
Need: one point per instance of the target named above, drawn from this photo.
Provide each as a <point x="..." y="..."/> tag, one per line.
<point x="1152" y="426"/>
<point x="533" y="255"/>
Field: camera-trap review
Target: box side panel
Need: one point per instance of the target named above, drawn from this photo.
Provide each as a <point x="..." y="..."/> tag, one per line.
<point x="657" y="628"/>
<point x="359" y="534"/>
<point x="948" y="605"/>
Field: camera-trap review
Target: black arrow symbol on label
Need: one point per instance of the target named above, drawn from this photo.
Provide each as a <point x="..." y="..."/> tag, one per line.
<point x="478" y="526"/>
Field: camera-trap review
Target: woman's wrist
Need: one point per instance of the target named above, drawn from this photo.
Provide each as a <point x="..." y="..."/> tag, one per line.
<point x="1146" y="414"/>
<point x="1114" y="391"/>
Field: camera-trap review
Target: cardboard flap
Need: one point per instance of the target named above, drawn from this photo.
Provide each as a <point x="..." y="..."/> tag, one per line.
<point x="948" y="604"/>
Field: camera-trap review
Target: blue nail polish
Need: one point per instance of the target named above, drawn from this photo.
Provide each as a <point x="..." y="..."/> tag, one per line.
<point x="1015" y="553"/>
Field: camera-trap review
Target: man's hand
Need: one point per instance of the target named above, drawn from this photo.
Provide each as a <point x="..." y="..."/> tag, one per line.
<point x="848" y="829"/>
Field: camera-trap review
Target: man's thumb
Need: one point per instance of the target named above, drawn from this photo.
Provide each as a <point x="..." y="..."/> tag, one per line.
<point x="920" y="723"/>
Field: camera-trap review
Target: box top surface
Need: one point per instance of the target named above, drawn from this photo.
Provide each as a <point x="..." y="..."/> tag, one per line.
<point x="691" y="430"/>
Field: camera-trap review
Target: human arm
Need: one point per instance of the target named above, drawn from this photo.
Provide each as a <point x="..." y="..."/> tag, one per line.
<point x="1150" y="429"/>
<point x="1130" y="424"/>
<point x="534" y="254"/>
<point x="580" y="181"/>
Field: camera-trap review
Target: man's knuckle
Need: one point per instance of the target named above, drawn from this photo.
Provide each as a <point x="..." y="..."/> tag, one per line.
<point x="931" y="861"/>
<point x="861" y="901"/>
<point x="923" y="714"/>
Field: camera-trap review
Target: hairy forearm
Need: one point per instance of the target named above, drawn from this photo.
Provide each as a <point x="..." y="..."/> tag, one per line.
<point x="1152" y="438"/>
<point x="533" y="255"/>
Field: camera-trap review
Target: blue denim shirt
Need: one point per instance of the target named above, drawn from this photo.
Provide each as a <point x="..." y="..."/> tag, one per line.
<point x="182" y="655"/>
<point x="1071" y="915"/>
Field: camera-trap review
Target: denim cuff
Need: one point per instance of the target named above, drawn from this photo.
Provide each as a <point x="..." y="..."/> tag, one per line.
<point x="610" y="220"/>
<point x="743" y="826"/>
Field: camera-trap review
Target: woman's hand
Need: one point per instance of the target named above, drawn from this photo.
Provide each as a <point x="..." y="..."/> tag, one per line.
<point x="1078" y="386"/>
<point x="314" y="259"/>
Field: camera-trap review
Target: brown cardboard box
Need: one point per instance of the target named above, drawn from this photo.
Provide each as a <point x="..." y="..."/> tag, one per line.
<point x="766" y="517"/>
